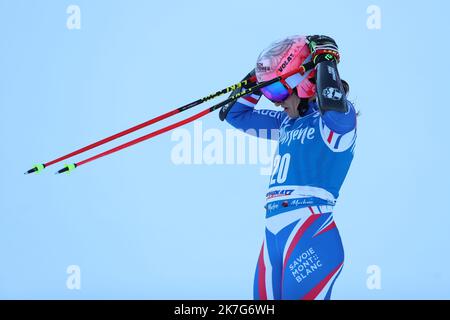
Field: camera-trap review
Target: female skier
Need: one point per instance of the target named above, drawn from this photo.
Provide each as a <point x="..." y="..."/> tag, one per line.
<point x="302" y="253"/>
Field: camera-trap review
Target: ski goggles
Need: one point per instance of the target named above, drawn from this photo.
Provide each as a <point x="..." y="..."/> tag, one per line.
<point x="279" y="91"/>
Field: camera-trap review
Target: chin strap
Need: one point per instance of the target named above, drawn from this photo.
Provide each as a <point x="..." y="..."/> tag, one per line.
<point x="303" y="106"/>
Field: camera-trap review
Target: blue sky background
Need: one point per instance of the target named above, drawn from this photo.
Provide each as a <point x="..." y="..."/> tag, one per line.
<point x="142" y="227"/>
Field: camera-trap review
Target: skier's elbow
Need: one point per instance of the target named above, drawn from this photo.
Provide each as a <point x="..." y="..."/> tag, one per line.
<point x="236" y="118"/>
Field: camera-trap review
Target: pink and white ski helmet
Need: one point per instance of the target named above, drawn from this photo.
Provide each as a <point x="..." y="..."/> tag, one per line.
<point x="279" y="58"/>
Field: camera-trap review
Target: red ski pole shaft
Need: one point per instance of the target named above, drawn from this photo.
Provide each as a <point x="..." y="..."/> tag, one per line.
<point x="136" y="141"/>
<point x="244" y="84"/>
<point x="68" y="168"/>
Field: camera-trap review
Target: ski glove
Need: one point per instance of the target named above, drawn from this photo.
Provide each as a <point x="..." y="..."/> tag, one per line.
<point x="226" y="108"/>
<point x="323" y="48"/>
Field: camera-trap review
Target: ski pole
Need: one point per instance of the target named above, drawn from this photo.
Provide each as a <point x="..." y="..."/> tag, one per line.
<point x="69" y="167"/>
<point x="243" y="84"/>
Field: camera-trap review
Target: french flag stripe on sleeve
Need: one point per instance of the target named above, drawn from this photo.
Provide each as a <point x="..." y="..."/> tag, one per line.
<point x="249" y="100"/>
<point x="330" y="137"/>
<point x="336" y="145"/>
<point x="335" y="141"/>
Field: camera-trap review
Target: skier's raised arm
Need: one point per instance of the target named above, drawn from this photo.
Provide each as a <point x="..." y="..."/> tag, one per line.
<point x="337" y="113"/>
<point x="242" y="115"/>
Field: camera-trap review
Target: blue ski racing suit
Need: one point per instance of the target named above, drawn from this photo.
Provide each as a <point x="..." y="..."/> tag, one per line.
<point x="302" y="253"/>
